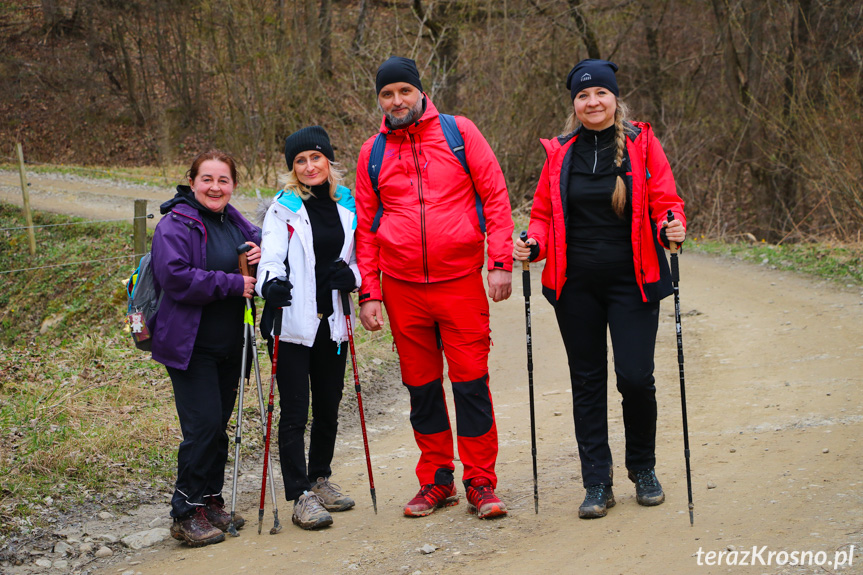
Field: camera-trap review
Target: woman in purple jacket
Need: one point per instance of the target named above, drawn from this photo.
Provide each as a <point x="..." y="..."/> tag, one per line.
<point x="198" y="334"/>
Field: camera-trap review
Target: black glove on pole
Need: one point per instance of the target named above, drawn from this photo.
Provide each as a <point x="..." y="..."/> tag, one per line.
<point x="278" y="292"/>
<point x="675" y="278"/>
<point x="346" y="309"/>
<point x="525" y="281"/>
<point x="342" y="277"/>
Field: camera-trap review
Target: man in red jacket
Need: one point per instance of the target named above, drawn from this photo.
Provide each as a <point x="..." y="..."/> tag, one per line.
<point x="420" y="248"/>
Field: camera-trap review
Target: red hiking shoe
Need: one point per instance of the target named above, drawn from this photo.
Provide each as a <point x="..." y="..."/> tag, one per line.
<point x="431" y="497"/>
<point x="482" y="501"/>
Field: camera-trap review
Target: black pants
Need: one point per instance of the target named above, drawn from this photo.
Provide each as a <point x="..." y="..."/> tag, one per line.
<point x="321" y="369"/>
<point x="204" y="394"/>
<point x="591" y="300"/>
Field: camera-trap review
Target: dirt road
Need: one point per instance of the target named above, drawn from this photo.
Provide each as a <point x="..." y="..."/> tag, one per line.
<point x="773" y="369"/>
<point x="92" y="198"/>
<point x="774" y="366"/>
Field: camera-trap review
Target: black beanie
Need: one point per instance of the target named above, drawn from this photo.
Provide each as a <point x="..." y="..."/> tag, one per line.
<point x="590" y="73"/>
<point x="397" y="69"/>
<point x="310" y="138"/>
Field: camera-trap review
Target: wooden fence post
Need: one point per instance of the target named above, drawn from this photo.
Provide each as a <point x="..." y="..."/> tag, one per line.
<point x="27" y="215"/>
<point x="140" y="230"/>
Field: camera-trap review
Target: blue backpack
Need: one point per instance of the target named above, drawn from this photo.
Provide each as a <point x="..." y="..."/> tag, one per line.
<point x="456" y="144"/>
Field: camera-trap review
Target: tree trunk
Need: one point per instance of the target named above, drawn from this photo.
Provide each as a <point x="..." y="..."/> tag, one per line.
<point x="444" y="34"/>
<point x="325" y="23"/>
<point x="360" y="31"/>
<point x="588" y="36"/>
<point x="52" y="16"/>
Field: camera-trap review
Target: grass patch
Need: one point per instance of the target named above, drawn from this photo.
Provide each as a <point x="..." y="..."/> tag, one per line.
<point x="82" y="412"/>
<point x="841" y="263"/>
<point x="85" y="418"/>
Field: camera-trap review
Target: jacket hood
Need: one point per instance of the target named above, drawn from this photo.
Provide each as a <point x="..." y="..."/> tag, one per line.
<point x="430" y="113"/>
<point x="184" y="195"/>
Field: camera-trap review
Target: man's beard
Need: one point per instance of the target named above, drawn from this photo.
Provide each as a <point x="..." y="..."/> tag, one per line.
<point x="412" y="116"/>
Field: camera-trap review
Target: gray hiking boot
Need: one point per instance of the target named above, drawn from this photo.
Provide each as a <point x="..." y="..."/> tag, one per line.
<point x="309" y="512"/>
<point x="331" y="495"/>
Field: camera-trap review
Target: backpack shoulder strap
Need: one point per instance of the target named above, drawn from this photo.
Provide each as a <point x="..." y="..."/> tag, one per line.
<point x="456" y="143"/>
<point x="376" y="158"/>
<point x="454" y="139"/>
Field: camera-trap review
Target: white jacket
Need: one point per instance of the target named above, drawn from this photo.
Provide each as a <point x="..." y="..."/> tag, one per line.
<point x="287" y="234"/>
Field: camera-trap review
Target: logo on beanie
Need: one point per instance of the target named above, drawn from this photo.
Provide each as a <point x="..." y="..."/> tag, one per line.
<point x="317" y="146"/>
<point x="586" y="77"/>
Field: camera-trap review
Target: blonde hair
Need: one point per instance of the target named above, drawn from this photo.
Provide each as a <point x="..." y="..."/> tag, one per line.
<point x="618" y="198"/>
<point x="290" y="183"/>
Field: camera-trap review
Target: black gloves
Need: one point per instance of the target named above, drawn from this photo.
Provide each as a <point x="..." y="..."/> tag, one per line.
<point x="278" y="292"/>
<point x="342" y="277"/>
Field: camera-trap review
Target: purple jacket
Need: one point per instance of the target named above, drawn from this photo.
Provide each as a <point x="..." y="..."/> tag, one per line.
<point x="179" y="262"/>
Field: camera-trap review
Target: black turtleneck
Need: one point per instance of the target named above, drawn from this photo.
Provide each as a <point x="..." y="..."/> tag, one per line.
<point x="595" y="236"/>
<point x="221" y="327"/>
<point x="328" y="238"/>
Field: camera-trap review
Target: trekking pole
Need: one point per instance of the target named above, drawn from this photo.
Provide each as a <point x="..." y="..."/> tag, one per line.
<point x="525" y="280"/>
<point x="249" y="323"/>
<point x="346" y="309"/>
<point x="675" y="278"/>
<point x="277" y="332"/>
<point x="232" y="528"/>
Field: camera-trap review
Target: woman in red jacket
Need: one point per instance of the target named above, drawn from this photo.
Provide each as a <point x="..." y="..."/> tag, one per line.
<point x="599" y="218"/>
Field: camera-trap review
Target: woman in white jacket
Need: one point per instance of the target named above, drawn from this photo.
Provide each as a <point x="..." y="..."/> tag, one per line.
<point x="308" y="236"/>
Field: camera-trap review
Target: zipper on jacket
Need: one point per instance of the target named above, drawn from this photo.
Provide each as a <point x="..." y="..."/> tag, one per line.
<point x="422" y="209"/>
<point x="595" y="151"/>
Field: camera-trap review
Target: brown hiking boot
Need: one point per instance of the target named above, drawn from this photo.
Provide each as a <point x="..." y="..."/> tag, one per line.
<point x="431" y="497"/>
<point x="309" y="512"/>
<point x="219" y="517"/>
<point x="333" y="498"/>
<point x="482" y="500"/>
<point x="196" y="530"/>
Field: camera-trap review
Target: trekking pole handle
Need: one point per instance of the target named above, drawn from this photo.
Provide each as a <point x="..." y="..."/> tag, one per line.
<point x="346" y="296"/>
<point x="673" y="246"/>
<point x="525" y="269"/>
<point x="525" y="265"/>
<point x="244" y="262"/>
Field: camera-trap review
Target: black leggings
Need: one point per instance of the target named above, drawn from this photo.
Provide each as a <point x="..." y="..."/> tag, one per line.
<point x="592" y="299"/>
<point x="321" y="369"/>
<point x="204" y="394"/>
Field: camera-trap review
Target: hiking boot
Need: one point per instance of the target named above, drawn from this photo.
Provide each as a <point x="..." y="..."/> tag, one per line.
<point x="195" y="529"/>
<point x="309" y="512"/>
<point x="648" y="491"/>
<point x="431" y="497"/>
<point x="482" y="501"/>
<point x="597" y="501"/>
<point x="333" y="498"/>
<point x="219" y="517"/>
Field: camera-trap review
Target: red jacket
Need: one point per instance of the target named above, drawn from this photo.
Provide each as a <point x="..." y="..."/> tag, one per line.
<point x="653" y="194"/>
<point x="429" y="231"/>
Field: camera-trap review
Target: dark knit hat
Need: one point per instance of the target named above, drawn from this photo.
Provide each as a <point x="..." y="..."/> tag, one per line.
<point x="310" y="138"/>
<point x="591" y="73"/>
<point x="397" y="69"/>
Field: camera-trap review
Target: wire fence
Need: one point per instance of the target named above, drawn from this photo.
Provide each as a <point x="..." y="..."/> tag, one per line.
<point x="71" y="264"/>
<point x="148" y="216"/>
<point x="160" y="179"/>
